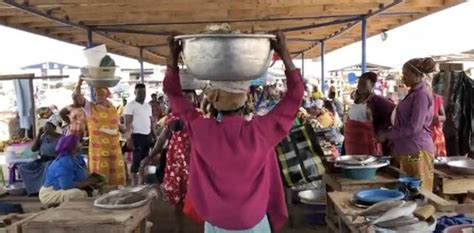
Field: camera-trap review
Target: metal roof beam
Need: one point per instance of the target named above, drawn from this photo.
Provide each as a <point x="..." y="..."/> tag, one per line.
<point x="36" y="12"/>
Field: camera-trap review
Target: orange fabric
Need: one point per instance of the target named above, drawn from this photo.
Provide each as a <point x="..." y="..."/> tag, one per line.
<point x="105" y="154"/>
<point x="437" y="129"/>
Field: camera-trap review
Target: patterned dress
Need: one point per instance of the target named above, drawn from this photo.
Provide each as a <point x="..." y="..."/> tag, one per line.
<point x="177" y="163"/>
<point x="437" y="129"/>
<point x="105" y="154"/>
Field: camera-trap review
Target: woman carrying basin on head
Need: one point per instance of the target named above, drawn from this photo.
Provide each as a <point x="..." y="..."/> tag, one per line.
<point x="234" y="179"/>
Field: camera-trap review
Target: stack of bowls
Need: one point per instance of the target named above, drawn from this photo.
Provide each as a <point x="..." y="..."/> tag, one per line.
<point x="97" y="75"/>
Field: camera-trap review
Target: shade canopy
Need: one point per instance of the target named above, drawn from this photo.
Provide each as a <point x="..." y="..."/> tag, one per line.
<point x="128" y="26"/>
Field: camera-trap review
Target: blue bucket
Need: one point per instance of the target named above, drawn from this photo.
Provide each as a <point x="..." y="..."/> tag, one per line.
<point x="410" y="182"/>
<point x="359" y="174"/>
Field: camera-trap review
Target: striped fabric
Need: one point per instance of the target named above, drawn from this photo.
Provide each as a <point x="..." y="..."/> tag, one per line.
<point x="298" y="157"/>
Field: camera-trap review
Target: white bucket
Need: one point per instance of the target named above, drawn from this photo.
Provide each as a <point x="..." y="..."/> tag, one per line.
<point x="95" y="54"/>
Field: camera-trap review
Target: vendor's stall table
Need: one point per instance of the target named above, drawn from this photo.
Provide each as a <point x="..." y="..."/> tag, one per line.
<point x="449" y="182"/>
<point x="337" y="182"/>
<point x="17" y="220"/>
<point x="340" y="203"/>
<point x="82" y="216"/>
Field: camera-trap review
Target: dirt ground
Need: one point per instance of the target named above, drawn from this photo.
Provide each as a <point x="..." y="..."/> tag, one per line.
<point x="162" y="218"/>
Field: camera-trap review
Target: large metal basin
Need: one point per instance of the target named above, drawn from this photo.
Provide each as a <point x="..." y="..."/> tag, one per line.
<point x="227" y="57"/>
<point x="462" y="166"/>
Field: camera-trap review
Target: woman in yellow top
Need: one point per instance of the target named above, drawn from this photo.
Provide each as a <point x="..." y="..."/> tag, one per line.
<point x="105" y="154"/>
<point x="316" y="94"/>
<point x="320" y="116"/>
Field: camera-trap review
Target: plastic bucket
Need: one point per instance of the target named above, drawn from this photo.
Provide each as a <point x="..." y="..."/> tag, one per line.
<point x="95" y="54"/>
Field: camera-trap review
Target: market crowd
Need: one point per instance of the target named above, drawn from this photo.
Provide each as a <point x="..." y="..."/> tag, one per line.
<point x="216" y="149"/>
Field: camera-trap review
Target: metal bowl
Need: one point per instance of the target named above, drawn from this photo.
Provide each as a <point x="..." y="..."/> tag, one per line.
<point x="356" y="159"/>
<point x="313" y="196"/>
<point x="462" y="166"/>
<point x="102" y="82"/>
<point x="226" y="57"/>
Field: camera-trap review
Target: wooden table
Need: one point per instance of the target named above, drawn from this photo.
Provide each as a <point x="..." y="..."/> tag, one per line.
<point x="337" y="182"/>
<point x="451" y="183"/>
<point x="82" y="216"/>
<point x="341" y="221"/>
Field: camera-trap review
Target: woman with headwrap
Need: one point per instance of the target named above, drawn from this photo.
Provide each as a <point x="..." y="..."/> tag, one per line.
<point x="45" y="143"/>
<point x="359" y="131"/>
<point x="66" y="176"/>
<point x="105" y="153"/>
<point x="47" y="139"/>
<point x="234" y="179"/>
<point x="411" y="135"/>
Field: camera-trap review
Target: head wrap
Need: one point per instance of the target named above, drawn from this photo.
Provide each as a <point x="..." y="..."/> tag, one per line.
<point x="103" y="90"/>
<point x="319" y="103"/>
<point x="230" y="86"/>
<point x="54" y="120"/>
<point x="67" y="144"/>
<point x="227" y="95"/>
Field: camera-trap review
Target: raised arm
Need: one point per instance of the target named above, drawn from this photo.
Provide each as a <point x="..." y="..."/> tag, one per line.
<point x="172" y="86"/>
<point x="78" y="98"/>
<point x="276" y="124"/>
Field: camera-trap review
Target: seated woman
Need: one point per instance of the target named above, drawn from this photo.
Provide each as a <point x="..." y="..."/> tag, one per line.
<point x="319" y="116"/>
<point x="46" y="141"/>
<point x="66" y="177"/>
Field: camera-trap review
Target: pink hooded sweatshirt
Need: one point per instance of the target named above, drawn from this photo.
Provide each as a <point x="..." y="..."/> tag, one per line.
<point x="234" y="178"/>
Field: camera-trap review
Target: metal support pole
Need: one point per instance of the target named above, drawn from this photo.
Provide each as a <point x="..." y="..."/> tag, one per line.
<point x="90" y="44"/>
<point x="142" y="72"/>
<point x="302" y="65"/>
<point x="322" y="66"/>
<point x="363" y="64"/>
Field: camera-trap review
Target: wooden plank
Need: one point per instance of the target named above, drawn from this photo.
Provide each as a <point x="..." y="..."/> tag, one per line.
<point x="464" y="208"/>
<point x="439" y="203"/>
<point x="16" y="227"/>
<point x="339" y="183"/>
<point x="81" y="216"/>
<point x="452" y="182"/>
<point x="457" y="185"/>
<point x="332" y="227"/>
<point x="16" y="76"/>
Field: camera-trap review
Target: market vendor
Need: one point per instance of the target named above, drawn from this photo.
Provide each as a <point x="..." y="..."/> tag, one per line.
<point x="359" y="133"/>
<point x="234" y="179"/>
<point x="319" y="116"/>
<point x="105" y="153"/>
<point x="47" y="139"/>
<point x="45" y="143"/>
<point x="75" y="117"/>
<point x="411" y="135"/>
<point x="66" y="177"/>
